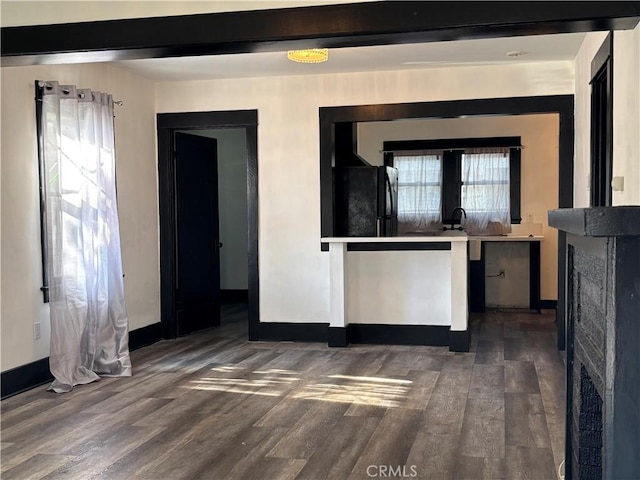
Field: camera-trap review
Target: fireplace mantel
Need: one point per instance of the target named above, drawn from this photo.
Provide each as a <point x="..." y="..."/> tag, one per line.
<point x="602" y="309"/>
<point x="597" y="221"/>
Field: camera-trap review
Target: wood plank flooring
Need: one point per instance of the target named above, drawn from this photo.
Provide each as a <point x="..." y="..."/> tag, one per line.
<point x="214" y="406"/>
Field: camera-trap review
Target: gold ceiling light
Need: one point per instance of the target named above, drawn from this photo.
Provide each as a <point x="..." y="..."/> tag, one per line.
<point x="311" y="55"/>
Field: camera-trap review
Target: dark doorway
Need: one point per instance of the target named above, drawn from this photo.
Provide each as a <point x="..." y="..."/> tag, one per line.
<point x="185" y="184"/>
<point x="197" y="233"/>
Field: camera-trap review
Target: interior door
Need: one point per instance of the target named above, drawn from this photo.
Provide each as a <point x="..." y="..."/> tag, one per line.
<point x="197" y="233"/>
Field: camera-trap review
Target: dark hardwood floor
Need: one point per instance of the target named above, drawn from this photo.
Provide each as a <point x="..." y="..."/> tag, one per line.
<point x="214" y="406"/>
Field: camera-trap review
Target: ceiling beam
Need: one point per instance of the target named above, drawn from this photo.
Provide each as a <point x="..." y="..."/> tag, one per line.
<point x="346" y="25"/>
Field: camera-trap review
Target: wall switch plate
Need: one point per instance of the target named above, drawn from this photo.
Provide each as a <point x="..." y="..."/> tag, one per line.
<point x="36" y="331"/>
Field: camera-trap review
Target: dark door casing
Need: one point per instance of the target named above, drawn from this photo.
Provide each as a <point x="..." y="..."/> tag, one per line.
<point x="602" y="124"/>
<point x="197" y="233"/>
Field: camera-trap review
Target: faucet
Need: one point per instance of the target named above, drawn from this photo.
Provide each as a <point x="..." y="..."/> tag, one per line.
<point x="453" y="216"/>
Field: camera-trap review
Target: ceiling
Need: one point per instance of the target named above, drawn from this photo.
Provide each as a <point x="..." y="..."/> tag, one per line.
<point x="492" y="51"/>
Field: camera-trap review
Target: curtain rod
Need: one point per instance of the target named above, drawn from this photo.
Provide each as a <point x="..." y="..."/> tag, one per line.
<point x="45" y="84"/>
<point x="448" y="149"/>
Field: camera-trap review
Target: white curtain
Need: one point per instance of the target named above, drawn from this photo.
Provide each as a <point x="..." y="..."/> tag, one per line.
<point x="89" y="324"/>
<point x="485" y="191"/>
<point x="419" y="192"/>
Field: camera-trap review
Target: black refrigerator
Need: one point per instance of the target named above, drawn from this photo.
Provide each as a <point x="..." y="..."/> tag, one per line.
<point x="366" y="201"/>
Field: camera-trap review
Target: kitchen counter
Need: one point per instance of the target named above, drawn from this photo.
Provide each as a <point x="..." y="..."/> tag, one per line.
<point x="416" y="282"/>
<point x="507" y="238"/>
<point x="444" y="237"/>
<point x="414" y="287"/>
<point x="436" y="237"/>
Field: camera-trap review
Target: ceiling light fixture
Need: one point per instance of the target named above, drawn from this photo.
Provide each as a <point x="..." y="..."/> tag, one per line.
<point x="311" y="55"/>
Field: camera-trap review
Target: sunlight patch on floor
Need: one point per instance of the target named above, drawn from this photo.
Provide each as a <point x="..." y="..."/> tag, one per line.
<point x="217" y="388"/>
<point x="372" y="379"/>
<point x="273" y="382"/>
<point x="226" y="369"/>
<point x="357" y="393"/>
<point x="276" y="371"/>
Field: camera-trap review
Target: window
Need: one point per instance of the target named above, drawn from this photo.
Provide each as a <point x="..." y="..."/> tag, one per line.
<point x="82" y="268"/>
<point x="480" y="175"/>
<point x="419" y="191"/>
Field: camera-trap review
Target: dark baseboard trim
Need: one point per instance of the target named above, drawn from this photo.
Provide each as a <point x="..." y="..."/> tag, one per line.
<point x="234" y="296"/>
<point x="358" y="333"/>
<point x="459" y="341"/>
<point x="396" y="246"/>
<point x="142" y="337"/>
<point x="431" y="335"/>
<point x="338" y="337"/>
<point x="548" y="304"/>
<point x="25" y="377"/>
<point x="34" y="374"/>
<point x="291" y="332"/>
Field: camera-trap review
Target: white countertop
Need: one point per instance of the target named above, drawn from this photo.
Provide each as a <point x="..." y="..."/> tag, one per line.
<point x="400" y="239"/>
<point x="444" y="237"/>
<point x="508" y="238"/>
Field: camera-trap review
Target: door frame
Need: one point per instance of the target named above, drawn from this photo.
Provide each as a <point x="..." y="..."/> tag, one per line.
<point x="167" y="125"/>
<point x="563" y="105"/>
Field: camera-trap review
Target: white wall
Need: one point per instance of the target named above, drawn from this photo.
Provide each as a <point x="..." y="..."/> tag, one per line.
<point x="232" y="205"/>
<point x="43" y="12"/>
<point x="626" y="115"/>
<point x="22" y="304"/>
<point x="294" y="276"/>
<point x="395" y="288"/>
<point x="582" y="153"/>
<point x="539" y="190"/>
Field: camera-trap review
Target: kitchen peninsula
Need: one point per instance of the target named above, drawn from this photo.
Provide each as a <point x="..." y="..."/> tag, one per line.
<point x="410" y="290"/>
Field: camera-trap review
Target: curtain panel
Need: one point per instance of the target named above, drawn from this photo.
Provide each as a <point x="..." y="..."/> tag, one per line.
<point x="419" y="192"/>
<point x="89" y="323"/>
<point x="486" y="191"/>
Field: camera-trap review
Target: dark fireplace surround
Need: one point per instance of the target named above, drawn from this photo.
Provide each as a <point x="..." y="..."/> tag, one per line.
<point x="603" y="341"/>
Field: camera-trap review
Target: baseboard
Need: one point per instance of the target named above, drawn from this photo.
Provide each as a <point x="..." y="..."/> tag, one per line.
<point x="548" y="304"/>
<point x="428" y="335"/>
<point x="459" y="341"/>
<point x="25" y="377"/>
<point x="431" y="335"/>
<point x="291" y="332"/>
<point x="234" y="296"/>
<point x="338" y="337"/>
<point x="142" y="337"/>
<point x="34" y="374"/>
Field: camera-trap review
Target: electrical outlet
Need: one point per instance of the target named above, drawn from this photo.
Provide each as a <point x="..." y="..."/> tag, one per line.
<point x="617" y="184"/>
<point x="36" y="331"/>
